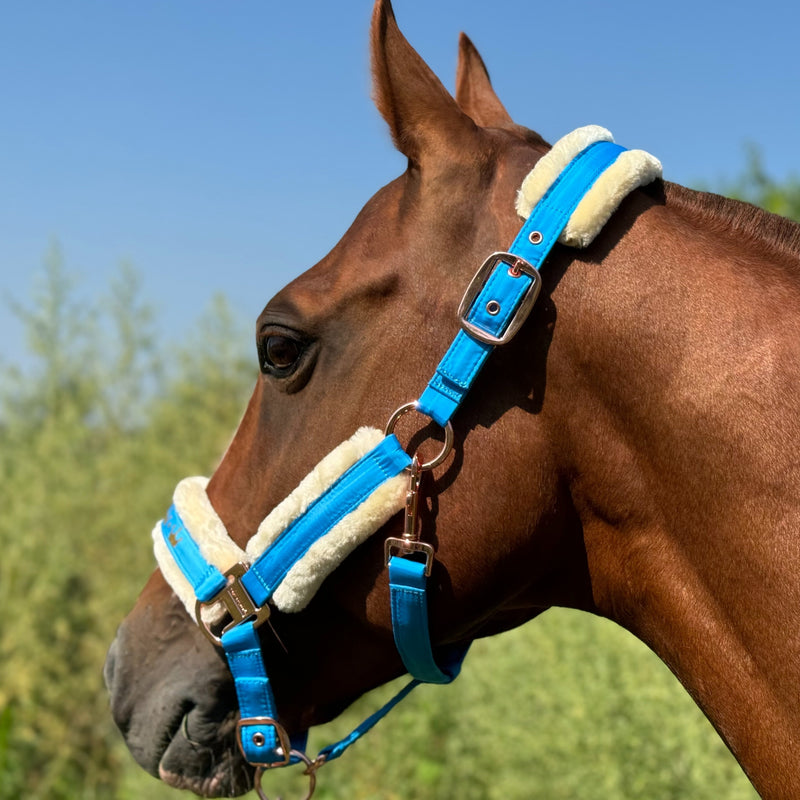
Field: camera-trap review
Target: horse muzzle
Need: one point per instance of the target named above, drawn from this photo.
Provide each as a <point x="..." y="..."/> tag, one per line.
<point x="174" y="701"/>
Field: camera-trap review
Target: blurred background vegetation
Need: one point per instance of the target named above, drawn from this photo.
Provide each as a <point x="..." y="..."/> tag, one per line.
<point x="97" y="424"/>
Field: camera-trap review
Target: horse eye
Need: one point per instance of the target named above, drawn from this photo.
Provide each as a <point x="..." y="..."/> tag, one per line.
<point x="279" y="354"/>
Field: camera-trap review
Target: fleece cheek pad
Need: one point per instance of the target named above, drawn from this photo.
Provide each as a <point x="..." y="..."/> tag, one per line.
<point x="633" y="168"/>
<point x="304" y="578"/>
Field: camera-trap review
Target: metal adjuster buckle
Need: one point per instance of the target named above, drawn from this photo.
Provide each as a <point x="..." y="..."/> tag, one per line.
<point x="238" y="604"/>
<point x="284" y="748"/>
<point x="403" y="547"/>
<point x="516" y="267"/>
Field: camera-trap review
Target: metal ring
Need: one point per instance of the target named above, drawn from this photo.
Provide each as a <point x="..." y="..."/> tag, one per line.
<point x="310" y="770"/>
<point x="447" y="428"/>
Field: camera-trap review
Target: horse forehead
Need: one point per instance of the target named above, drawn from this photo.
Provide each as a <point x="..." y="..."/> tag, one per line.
<point x="367" y="263"/>
<point x="409" y="225"/>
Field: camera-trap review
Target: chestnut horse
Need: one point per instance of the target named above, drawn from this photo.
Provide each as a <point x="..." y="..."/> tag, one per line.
<point x="633" y="452"/>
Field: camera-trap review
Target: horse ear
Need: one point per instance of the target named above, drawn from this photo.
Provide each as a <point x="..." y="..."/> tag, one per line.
<point x="422" y="115"/>
<point x="474" y="92"/>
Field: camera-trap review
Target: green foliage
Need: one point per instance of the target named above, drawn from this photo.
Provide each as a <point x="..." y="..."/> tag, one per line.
<point x="93" y="435"/>
<point x="757" y="187"/>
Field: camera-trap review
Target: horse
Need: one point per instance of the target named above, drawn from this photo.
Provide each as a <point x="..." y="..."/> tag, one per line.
<point x="632" y="452"/>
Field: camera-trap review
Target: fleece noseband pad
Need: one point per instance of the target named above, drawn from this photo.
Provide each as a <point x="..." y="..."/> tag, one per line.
<point x="305" y="577"/>
<point x="632" y="169"/>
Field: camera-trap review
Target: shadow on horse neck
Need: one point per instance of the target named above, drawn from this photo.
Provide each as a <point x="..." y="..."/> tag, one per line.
<point x="633" y="452"/>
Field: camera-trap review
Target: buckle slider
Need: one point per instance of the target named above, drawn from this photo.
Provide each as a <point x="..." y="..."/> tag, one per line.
<point x="516" y="266"/>
<point x="284" y="748"/>
<point x="405" y="547"/>
<point x="238" y="604"/>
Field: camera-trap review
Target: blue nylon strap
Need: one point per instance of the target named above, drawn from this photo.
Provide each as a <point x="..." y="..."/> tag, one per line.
<point x="206" y="579"/>
<point x="465" y="357"/>
<point x="384" y="461"/>
<point x="243" y="651"/>
<point x="410" y="620"/>
<point x="409" y="601"/>
<point x="241" y="643"/>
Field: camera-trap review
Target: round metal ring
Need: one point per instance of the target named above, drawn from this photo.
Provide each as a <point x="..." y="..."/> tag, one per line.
<point x="310" y="770"/>
<point x="447" y="428"/>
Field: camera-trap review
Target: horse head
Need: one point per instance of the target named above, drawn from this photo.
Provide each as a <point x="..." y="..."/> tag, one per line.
<point x="339" y="347"/>
<point x="545" y="500"/>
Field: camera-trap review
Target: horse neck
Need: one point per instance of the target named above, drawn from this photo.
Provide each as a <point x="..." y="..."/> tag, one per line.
<point x="678" y="370"/>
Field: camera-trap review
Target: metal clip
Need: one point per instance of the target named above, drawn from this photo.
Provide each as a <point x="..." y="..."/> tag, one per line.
<point x="238" y="604"/>
<point x="410" y="543"/>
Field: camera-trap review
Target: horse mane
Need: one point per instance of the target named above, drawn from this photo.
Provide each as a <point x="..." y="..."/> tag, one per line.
<point x="735" y="216"/>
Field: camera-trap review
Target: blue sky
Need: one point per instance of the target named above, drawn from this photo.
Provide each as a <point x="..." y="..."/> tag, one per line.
<point x="226" y="145"/>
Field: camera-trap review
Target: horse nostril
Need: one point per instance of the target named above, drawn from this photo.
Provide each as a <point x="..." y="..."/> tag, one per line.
<point x="108" y="667"/>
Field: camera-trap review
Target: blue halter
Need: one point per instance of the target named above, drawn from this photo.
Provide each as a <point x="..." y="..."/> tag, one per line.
<point x="494" y="307"/>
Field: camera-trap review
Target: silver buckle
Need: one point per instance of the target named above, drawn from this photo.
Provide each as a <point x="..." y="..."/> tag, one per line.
<point x="237" y="602"/>
<point x="516" y="266"/>
<point x="284" y="748"/>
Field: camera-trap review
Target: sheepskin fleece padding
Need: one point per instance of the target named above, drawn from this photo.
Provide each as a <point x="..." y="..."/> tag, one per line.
<point x="632" y="169"/>
<point x="306" y="576"/>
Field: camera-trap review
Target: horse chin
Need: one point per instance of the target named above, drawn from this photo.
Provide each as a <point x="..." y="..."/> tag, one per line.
<point x="203" y="757"/>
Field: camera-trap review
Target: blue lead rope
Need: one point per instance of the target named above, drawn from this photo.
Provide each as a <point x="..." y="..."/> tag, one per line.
<point x="504" y="291"/>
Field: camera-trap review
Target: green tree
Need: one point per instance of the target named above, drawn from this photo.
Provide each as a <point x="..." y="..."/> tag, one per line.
<point x="93" y="433"/>
<point x="755" y="186"/>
